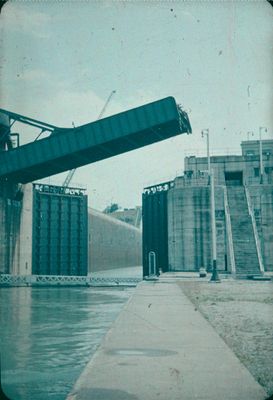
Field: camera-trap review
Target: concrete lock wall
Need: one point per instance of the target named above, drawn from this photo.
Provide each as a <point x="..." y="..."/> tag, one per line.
<point x="112" y="243"/>
<point x="262" y="205"/>
<point x="16" y="232"/>
<point x="22" y="261"/>
<point x="10" y="222"/>
<point x="189" y="229"/>
<point x="4" y="238"/>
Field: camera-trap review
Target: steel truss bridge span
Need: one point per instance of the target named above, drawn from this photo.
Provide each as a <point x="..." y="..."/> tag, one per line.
<point x="68" y="148"/>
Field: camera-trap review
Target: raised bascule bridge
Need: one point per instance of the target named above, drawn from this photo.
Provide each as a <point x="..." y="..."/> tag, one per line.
<point x="68" y="148"/>
<point x="51" y="249"/>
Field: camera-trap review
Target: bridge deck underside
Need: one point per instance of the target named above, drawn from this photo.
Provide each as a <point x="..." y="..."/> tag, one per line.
<point x="71" y="148"/>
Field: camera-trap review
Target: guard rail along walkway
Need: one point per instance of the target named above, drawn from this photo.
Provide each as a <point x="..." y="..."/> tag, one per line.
<point x="61" y="280"/>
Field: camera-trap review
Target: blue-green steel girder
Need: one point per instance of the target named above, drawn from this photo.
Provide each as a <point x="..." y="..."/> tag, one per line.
<point x="68" y="148"/>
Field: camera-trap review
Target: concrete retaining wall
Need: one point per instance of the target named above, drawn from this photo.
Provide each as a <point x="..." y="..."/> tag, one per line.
<point x="190" y="232"/>
<point x="22" y="261"/>
<point x="189" y="228"/>
<point x="112" y="243"/>
<point x="10" y="212"/>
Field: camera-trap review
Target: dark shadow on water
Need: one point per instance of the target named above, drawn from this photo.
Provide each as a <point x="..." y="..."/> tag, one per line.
<point x="49" y="334"/>
<point x="2" y="394"/>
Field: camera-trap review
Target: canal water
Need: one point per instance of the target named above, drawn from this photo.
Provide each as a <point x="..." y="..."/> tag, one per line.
<point x="48" y="335"/>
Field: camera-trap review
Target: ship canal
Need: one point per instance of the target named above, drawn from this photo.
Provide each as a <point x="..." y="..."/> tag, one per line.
<point x="49" y="334"/>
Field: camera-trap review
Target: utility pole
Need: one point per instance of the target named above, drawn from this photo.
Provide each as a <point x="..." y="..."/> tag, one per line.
<point x="214" y="276"/>
<point x="261" y="154"/>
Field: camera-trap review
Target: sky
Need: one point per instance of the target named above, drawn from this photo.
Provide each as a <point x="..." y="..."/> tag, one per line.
<point x="60" y="60"/>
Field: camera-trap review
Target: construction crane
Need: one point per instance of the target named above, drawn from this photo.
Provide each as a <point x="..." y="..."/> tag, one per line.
<point x="72" y="171"/>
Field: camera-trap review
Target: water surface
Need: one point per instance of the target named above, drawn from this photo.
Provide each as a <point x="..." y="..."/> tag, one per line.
<point x="48" y="335"/>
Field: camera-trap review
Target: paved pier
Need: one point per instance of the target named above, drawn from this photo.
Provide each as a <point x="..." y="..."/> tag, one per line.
<point x="161" y="347"/>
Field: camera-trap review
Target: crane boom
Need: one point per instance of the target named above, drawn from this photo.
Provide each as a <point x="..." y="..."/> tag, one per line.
<point x="106" y="104"/>
<point x="72" y="171"/>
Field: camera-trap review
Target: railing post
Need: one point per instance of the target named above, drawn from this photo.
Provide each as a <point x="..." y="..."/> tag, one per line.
<point x="255" y="232"/>
<point x="229" y="233"/>
<point x="214" y="276"/>
<point x="152" y="263"/>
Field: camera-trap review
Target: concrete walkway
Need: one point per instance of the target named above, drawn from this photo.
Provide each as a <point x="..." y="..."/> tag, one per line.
<point x="160" y="347"/>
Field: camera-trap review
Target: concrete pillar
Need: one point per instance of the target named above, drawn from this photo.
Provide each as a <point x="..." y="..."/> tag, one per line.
<point x="22" y="262"/>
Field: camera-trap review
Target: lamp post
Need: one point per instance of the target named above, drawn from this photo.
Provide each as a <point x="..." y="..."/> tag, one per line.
<point x="205" y="132"/>
<point x="261" y="154"/>
<point x="250" y="133"/>
<point x="214" y="276"/>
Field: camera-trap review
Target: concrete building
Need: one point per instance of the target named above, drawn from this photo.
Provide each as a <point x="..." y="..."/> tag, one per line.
<point x="132" y="216"/>
<point x="243" y="211"/>
<point x="244" y="168"/>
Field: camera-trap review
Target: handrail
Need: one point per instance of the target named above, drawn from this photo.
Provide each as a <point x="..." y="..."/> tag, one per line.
<point x="229" y="232"/>
<point x="257" y="240"/>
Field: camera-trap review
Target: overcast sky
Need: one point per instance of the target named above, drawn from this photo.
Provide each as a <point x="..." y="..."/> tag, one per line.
<point x="60" y="60"/>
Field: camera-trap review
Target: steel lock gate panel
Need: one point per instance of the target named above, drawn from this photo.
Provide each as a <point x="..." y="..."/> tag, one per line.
<point x="59" y="232"/>
<point x="155" y="226"/>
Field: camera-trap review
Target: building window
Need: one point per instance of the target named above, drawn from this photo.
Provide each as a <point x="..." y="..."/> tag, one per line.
<point x="256" y="172"/>
<point x="257" y="212"/>
<point x="219" y="214"/>
<point x="189" y="173"/>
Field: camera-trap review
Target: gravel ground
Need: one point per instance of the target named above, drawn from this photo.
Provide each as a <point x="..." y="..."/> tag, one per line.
<point x="242" y="314"/>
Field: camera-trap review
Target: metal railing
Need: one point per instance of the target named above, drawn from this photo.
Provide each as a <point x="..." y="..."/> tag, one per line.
<point x="59" y="280"/>
<point x="201" y="181"/>
<point x="256" y="181"/>
<point x="197" y="152"/>
<point x="229" y="233"/>
<point x="257" y="240"/>
<point x="14" y="280"/>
